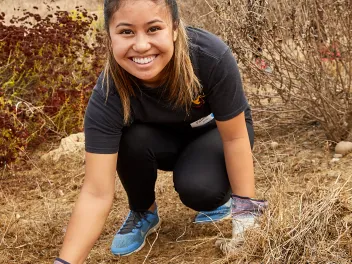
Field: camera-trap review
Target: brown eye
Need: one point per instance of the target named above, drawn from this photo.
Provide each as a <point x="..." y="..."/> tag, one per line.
<point x="154" y="29"/>
<point x="126" y="32"/>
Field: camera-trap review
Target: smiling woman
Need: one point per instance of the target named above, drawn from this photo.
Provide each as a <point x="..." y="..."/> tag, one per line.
<point x="143" y="44"/>
<point x="170" y="98"/>
<point x="149" y="31"/>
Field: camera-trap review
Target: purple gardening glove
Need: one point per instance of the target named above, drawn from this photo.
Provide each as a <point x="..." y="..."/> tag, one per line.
<point x="244" y="212"/>
<point x="60" y="261"/>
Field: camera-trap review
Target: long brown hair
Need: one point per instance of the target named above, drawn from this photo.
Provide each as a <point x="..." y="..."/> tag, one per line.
<point x="179" y="77"/>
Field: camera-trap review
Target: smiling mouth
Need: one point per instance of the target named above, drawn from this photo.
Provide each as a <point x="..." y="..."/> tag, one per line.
<point x="144" y="60"/>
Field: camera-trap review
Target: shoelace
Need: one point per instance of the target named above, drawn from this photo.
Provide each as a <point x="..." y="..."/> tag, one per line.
<point x="132" y="221"/>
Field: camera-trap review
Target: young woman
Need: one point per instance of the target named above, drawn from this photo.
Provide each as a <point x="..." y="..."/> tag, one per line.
<point x="170" y="98"/>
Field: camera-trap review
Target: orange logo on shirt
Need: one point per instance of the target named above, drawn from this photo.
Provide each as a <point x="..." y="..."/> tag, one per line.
<point x="199" y="101"/>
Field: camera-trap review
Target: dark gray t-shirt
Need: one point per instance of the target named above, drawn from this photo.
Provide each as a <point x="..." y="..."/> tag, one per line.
<point x="222" y="97"/>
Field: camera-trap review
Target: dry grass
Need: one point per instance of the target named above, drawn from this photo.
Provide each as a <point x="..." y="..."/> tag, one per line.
<point x="308" y="47"/>
<point x="309" y="219"/>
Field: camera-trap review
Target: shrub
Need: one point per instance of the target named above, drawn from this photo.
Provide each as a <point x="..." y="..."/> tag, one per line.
<point x="49" y="66"/>
<point x="307" y="46"/>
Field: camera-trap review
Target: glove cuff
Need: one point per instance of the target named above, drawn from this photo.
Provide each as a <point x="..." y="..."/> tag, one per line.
<point x="60" y="261"/>
<point x="246" y="198"/>
<point x="241" y="197"/>
<point x="247" y="206"/>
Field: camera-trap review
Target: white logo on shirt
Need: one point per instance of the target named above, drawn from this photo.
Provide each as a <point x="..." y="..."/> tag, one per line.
<point x="202" y="121"/>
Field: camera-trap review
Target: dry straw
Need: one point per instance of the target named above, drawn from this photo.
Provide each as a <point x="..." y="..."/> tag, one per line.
<point x="308" y="47"/>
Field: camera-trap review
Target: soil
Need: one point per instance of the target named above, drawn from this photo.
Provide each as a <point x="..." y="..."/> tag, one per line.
<point x="36" y="203"/>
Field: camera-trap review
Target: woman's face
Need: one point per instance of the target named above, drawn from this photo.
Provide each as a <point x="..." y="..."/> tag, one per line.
<point x="142" y="38"/>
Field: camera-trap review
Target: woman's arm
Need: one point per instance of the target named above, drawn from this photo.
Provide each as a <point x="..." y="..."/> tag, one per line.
<point x="238" y="155"/>
<point x="92" y="208"/>
<point x="239" y="165"/>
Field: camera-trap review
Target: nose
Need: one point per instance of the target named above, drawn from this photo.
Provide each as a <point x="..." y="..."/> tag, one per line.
<point x="142" y="44"/>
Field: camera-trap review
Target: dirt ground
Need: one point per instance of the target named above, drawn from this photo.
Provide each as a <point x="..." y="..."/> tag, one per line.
<point x="36" y="204"/>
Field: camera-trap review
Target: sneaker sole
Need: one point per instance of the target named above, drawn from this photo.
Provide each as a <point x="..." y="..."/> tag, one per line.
<point x="213" y="221"/>
<point x="151" y="231"/>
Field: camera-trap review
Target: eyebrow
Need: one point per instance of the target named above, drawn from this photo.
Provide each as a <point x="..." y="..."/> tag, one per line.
<point x="129" y="25"/>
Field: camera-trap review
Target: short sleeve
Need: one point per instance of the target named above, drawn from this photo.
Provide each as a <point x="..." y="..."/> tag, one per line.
<point x="103" y="121"/>
<point x="225" y="95"/>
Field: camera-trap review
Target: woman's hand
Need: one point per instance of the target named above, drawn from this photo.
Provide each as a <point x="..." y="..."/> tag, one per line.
<point x="245" y="212"/>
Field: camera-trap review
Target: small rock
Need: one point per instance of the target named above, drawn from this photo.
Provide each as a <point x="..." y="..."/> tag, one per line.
<point x="274" y="145"/>
<point x="333" y="160"/>
<point x="343" y="147"/>
<point x="338" y="156"/>
<point x="61" y="193"/>
<point x="18" y="216"/>
<point x="73" y="144"/>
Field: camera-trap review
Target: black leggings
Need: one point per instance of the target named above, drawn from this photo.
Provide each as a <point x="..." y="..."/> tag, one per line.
<point x="195" y="156"/>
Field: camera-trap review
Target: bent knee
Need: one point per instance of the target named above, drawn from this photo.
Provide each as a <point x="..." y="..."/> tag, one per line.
<point x="201" y="198"/>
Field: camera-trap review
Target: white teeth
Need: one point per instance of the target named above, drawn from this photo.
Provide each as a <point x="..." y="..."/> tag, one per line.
<point x="144" y="60"/>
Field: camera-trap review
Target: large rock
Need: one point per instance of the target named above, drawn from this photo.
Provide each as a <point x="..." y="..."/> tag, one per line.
<point x="71" y="145"/>
<point x="343" y="147"/>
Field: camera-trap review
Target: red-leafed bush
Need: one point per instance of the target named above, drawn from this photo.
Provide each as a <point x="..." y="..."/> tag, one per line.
<point x="48" y="68"/>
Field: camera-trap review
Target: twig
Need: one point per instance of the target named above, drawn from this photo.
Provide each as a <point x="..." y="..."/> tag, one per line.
<point x="7" y="229"/>
<point x="151" y="247"/>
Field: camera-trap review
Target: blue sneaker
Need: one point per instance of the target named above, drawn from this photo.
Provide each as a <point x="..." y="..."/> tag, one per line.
<point x="131" y="236"/>
<point x="220" y="213"/>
